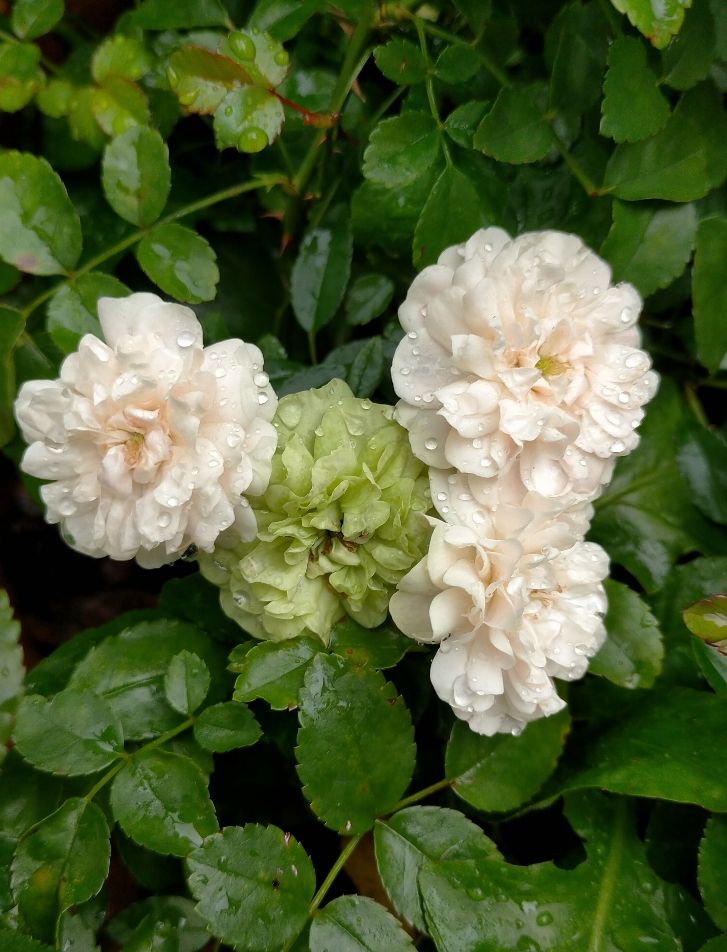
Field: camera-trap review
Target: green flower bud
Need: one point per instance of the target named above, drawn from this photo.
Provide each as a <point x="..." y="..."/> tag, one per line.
<point x="343" y="519"/>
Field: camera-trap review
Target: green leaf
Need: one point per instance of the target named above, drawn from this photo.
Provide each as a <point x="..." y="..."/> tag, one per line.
<point x="128" y="669"/>
<point x="409" y="838"/>
<point x="367" y="298"/>
<point x="253" y="885"/>
<point x="659" y="22"/>
<point x="645" y="518"/>
<point x="357" y="924"/>
<point x="186" y="682"/>
<point x="62" y="863"/>
<point x="120" y="55"/>
<point x="461" y="124"/>
<point x="717" y="944"/>
<point x="500" y="773"/>
<point x="381" y="647"/>
<point x="688" y="58"/>
<point x="248" y="119"/>
<point x="633" y="107"/>
<point x="12" y="671"/>
<point x="667" y="747"/>
<point x="707" y="619"/>
<point x="40" y="232"/>
<point x="74" y="734"/>
<point x="136" y="176"/>
<point x="262" y="56"/>
<point x="226" y="726"/>
<point x="703" y="464"/>
<point x="180" y="15"/>
<point x="175" y="912"/>
<point x="356" y="713"/>
<point x="712" y="869"/>
<point x="450" y="215"/>
<point x="401" y="62"/>
<point x="12" y="326"/>
<point x="31" y="18"/>
<point x="713" y="665"/>
<point x="160" y="800"/>
<point x="682" y="162"/>
<point x="401" y="149"/>
<point x="283" y="18"/>
<point x="514" y="130"/>
<point x="385" y="217"/>
<point x="20" y="76"/>
<point x="274" y="671"/>
<point x="72" y="309"/>
<point x="118" y="105"/>
<point x="181" y="262"/>
<point x="457" y="64"/>
<point x="632" y="654"/>
<point x="201" y="78"/>
<point x="476" y="12"/>
<point x="321" y="270"/>
<point x="650" y="246"/>
<point x="15" y="942"/>
<point x="367" y="368"/>
<point x="709" y="292"/>
<point x="82" y="123"/>
<point x="26" y="796"/>
<point x="580" y="59"/>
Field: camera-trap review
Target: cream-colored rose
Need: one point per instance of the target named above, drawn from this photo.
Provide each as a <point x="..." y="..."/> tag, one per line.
<point x="521" y="352"/>
<point x="513" y="602"/>
<point x="149" y="439"/>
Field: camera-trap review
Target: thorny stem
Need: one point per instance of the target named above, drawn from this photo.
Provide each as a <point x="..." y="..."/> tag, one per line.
<point x="261" y="181"/>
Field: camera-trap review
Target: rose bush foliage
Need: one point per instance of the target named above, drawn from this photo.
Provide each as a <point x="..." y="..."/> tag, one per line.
<point x="288" y="169"/>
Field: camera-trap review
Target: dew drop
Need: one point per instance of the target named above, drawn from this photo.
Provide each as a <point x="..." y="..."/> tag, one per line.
<point x="261" y="380"/>
<point x="626" y="315"/>
<point x="262" y="398"/>
<point x="415" y="351"/>
<point x="404" y="371"/>
<point x="618" y="446"/>
<point x="233" y="440"/>
<point x="412" y="335"/>
<point x="185" y="339"/>
<point x="164" y="520"/>
<point x="442" y="497"/>
<point x="220" y="372"/>
<point x="479" y="517"/>
<point x="431" y="443"/>
<point x="623" y="397"/>
<point x="172" y="501"/>
<point x="633" y="361"/>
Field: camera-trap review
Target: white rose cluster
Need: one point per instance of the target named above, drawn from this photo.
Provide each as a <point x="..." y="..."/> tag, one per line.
<point x="520" y="380"/>
<point x="149" y="440"/>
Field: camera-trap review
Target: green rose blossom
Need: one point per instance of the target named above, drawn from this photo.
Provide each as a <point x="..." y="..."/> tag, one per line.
<point x="342" y="521"/>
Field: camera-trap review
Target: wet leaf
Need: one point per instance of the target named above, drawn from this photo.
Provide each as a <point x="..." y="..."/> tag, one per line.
<point x="181" y="262"/>
<point x="260" y="54"/>
<point x="182" y="14"/>
<point x="136" y="176"/>
<point x="401" y="62"/>
<point x="353" y="711"/>
<point x="186" y="682"/>
<point x="380" y="647"/>
<point x="12" y="671"/>
<point x="367" y="369"/>
<point x="253" y="885"/>
<point x="72" y="311"/>
<point x="20" y="75"/>
<point x="274" y="671"/>
<point x="632" y="654"/>
<point x="357" y="924"/>
<point x="202" y="78"/>
<point x="160" y="800"/>
<point x="120" y="55"/>
<point x="633" y="107"/>
<point x="321" y="270"/>
<point x="709" y="291"/>
<point x="514" y="129"/>
<point x="248" y="119"/>
<point x="707" y="619"/>
<point x="226" y="726"/>
<point x="118" y="105"/>
<point x="174" y="912"/>
<point x="688" y="57"/>
<point x="368" y="297"/>
<point x="401" y="149"/>
<point x="658" y="22"/>
<point x="712" y="870"/>
<point x="450" y="215"/>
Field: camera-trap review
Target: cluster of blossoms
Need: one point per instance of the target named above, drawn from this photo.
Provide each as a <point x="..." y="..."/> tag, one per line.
<point x="521" y="380"/>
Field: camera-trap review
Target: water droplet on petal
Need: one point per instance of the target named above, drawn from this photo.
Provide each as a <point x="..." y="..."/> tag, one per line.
<point x="164" y="520"/>
<point x="220" y="372"/>
<point x="262" y="398"/>
<point x="185" y="339"/>
<point x="431" y="443"/>
<point x="261" y="380"/>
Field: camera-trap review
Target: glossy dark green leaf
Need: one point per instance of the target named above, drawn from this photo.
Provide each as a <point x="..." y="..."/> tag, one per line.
<point x="16" y="942"/>
<point x="514" y="130"/>
<point x="26" y="795"/>
<point x="645" y="518"/>
<point x="682" y="162"/>
<point x="401" y="62"/>
<point x="355" y="712"/>
<point x="78" y="926"/>
<point x="401" y="149"/>
<point x="62" y="863"/>
<point x="649" y="245"/>
<point x="72" y="309"/>
<point x="40" y="231"/>
<point x="183" y="14"/>
<point x="136" y="176"/>
<point x="283" y="18"/>
<point x="176" y="912"/>
<point x="321" y="270"/>
<point x="186" y="682"/>
<point x="261" y="55"/>
<point x="450" y="215"/>
<point x="632" y="654"/>
<point x="20" y="75"/>
<point x="710" y="292"/>
<point x="128" y="669"/>
<point x="160" y="800"/>
<point x="226" y="726"/>
<point x="477" y="13"/>
<point x="367" y="368"/>
<point x="457" y="64"/>
<point x="386" y="217"/>
<point x="248" y="119"/>
<point x="76" y="733"/>
<point x="12" y="326"/>
<point x="462" y="122"/>
<point x="665" y="747"/>
<point x="713" y="664"/>
<point x="253" y="885"/>
<point x="31" y="18"/>
<point x="357" y="924"/>
<point x="181" y="262"/>
<point x="717" y="944"/>
<point x="713" y="871"/>
<point x="633" y="107"/>
<point x="688" y="57"/>
<point x="12" y="671"/>
<point x="580" y="59"/>
<point x="659" y="22"/>
<point x="381" y="647"/>
<point x="202" y="78"/>
<point x="703" y="464"/>
<point x="274" y="671"/>
<point x="707" y="619"/>
<point x="502" y="772"/>
<point x="409" y="838"/>
<point x="118" y="105"/>
<point x="120" y="55"/>
<point x="368" y="297"/>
